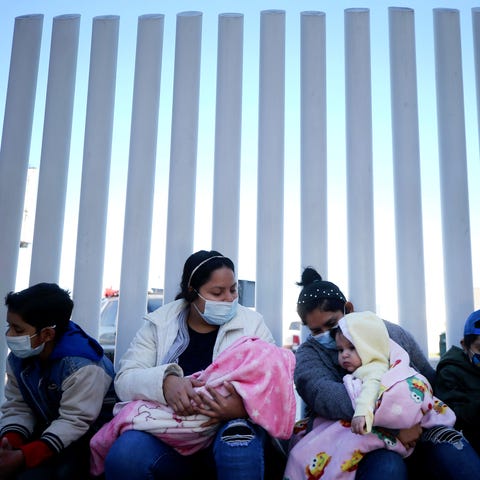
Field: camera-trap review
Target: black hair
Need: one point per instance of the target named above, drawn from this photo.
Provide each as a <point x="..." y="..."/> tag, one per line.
<point x="42" y="305"/>
<point x="197" y="271"/>
<point x="318" y="293"/>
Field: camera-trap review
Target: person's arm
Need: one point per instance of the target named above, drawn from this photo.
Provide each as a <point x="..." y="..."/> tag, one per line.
<point x="418" y="360"/>
<point x="247" y="323"/>
<point x="263" y="332"/>
<point x="319" y="382"/>
<point x="17" y="423"/>
<point x="17" y="417"/>
<point x="80" y="405"/>
<point x="83" y="393"/>
<point x="139" y="377"/>
<point x="449" y="388"/>
<point x="371" y="376"/>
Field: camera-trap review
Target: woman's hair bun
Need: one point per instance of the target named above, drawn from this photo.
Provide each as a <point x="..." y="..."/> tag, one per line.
<point x="309" y="276"/>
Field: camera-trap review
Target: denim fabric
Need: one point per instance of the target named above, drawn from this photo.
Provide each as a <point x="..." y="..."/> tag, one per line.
<point x="380" y="465"/>
<point x="237" y="453"/>
<point x="442" y="453"/>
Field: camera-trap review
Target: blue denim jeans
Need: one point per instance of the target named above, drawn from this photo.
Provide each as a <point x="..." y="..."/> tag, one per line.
<point x="382" y="464"/>
<point x="237" y="453"/>
<point x="441" y="454"/>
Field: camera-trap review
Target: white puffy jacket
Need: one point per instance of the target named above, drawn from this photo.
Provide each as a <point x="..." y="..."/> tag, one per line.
<point x="141" y="372"/>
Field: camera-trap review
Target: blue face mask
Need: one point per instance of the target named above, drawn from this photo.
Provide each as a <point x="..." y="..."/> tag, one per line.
<point x="475" y="359"/>
<point x="217" y="313"/>
<point x="326" y="340"/>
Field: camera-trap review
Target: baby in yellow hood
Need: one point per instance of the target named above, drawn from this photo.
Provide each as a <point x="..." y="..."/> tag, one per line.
<point x="364" y="351"/>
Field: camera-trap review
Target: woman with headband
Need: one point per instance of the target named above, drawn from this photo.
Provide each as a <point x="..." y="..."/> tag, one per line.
<point x="176" y="341"/>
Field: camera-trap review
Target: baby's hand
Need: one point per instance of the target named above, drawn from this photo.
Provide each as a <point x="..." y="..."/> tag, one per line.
<point x="358" y="425"/>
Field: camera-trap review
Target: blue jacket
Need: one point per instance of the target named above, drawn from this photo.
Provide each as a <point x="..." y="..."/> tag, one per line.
<point x="60" y="400"/>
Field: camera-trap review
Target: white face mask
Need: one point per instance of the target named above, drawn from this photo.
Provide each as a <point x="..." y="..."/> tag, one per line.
<point x="218" y="313"/>
<point x="21" y="346"/>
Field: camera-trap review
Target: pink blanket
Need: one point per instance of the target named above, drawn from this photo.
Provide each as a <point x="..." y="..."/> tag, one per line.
<point x="261" y="373"/>
<point x="332" y="451"/>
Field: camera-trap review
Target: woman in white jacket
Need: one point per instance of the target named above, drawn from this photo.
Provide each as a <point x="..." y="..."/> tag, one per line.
<point x="177" y="340"/>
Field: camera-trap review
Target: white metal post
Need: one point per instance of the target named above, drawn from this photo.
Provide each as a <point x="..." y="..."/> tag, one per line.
<point x="457" y="256"/>
<point x="228" y="130"/>
<point x="141" y="181"/>
<point x="183" y="149"/>
<point x="313" y="108"/>
<point x="92" y="222"/>
<point x="358" y="101"/>
<point x="270" y="187"/>
<point x="57" y="129"/>
<point x="15" y="150"/>
<point x="476" y="53"/>
<point x="406" y="165"/>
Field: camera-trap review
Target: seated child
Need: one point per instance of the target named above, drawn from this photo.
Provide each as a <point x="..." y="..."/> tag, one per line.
<point x="58" y="385"/>
<point x="386" y="393"/>
<point x="458" y="380"/>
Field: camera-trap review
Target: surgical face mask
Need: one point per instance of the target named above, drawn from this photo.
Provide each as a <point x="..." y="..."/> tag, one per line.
<point x="475" y="358"/>
<point x="217" y="313"/>
<point x="21" y="346"/>
<point x="326" y="340"/>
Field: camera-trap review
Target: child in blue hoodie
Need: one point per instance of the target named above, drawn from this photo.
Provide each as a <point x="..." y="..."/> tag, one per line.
<point x="58" y="391"/>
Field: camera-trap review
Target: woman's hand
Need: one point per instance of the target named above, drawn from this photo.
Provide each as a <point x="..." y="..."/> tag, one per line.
<point x="180" y="395"/>
<point x="409" y="436"/>
<point x="221" y="408"/>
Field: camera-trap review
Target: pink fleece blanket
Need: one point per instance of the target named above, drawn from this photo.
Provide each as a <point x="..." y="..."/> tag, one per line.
<point x="332" y="451"/>
<point x="262" y="375"/>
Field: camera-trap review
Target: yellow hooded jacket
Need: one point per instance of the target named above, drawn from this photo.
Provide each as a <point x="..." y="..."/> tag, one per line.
<point x="368" y="333"/>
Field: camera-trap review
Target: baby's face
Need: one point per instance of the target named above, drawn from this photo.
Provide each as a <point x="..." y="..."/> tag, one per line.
<point x="348" y="357"/>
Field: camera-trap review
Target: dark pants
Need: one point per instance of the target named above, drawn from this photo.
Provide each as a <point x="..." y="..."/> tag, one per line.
<point x="441" y="454"/>
<point x="73" y="463"/>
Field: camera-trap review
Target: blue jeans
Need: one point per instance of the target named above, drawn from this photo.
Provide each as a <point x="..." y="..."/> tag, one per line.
<point x="382" y="464"/>
<point x="441" y="454"/>
<point x="237" y="453"/>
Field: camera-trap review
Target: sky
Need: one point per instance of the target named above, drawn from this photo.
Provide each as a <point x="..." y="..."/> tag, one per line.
<point x="382" y="157"/>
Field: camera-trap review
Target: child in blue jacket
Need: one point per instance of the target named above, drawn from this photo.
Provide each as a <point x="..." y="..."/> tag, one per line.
<point x="57" y="389"/>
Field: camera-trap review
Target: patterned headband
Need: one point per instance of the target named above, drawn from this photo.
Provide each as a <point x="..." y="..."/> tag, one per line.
<point x="327" y="290"/>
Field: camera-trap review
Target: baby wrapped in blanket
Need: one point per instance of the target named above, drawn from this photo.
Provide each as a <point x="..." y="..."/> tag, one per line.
<point x="386" y="393"/>
<point x="262" y="375"/>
